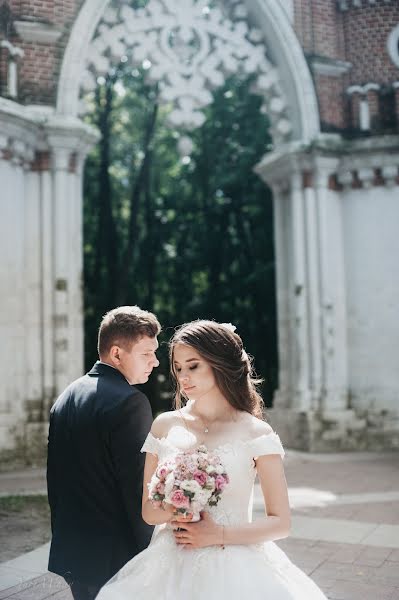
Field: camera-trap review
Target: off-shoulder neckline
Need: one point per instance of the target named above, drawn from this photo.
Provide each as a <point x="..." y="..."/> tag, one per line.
<point x="221" y="447"/>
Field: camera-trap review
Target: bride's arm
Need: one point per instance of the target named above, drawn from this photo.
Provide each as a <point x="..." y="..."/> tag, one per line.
<point x="277" y="522"/>
<point x="273" y="526"/>
<point x="150" y="514"/>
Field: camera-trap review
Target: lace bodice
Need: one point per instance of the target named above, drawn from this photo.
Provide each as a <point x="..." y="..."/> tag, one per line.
<point x="238" y="458"/>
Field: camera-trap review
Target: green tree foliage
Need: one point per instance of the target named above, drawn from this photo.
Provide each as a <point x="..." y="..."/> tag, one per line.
<point x="187" y="238"/>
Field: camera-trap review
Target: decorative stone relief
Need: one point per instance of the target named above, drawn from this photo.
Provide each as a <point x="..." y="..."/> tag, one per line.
<point x="190" y="47"/>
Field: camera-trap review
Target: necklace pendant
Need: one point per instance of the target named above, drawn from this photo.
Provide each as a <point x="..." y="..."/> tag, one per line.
<point x="206" y="430"/>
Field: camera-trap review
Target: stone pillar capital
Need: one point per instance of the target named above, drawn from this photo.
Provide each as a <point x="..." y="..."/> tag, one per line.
<point x="69" y="134"/>
<point x="390" y="174"/>
<point x="60" y="158"/>
<point x="21" y="153"/>
<point x="323" y="168"/>
<point x="366" y="176"/>
<point x="345" y="178"/>
<point x="296" y="180"/>
<point x="3" y="142"/>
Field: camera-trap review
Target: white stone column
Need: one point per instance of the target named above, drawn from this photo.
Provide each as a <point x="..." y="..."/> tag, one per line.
<point x="78" y="321"/>
<point x="298" y="293"/>
<point x="280" y="209"/>
<point x="313" y="296"/>
<point x="33" y="295"/>
<point x="6" y="183"/>
<point x="11" y="282"/>
<point x="75" y="307"/>
<point x="16" y="237"/>
<point x="332" y="289"/>
<point x="62" y="250"/>
<point x="69" y="143"/>
<point x="47" y="282"/>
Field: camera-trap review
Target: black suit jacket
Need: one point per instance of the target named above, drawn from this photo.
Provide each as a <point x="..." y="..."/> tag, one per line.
<point x="95" y="476"/>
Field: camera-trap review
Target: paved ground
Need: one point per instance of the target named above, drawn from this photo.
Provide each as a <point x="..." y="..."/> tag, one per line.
<point x="345" y="528"/>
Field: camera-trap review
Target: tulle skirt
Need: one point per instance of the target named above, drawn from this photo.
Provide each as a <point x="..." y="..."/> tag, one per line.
<point x="165" y="571"/>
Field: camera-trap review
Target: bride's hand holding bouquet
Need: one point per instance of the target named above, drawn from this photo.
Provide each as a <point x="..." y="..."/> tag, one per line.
<point x="186" y="485"/>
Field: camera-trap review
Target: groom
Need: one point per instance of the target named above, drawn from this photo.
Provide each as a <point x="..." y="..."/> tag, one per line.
<point x="94" y="467"/>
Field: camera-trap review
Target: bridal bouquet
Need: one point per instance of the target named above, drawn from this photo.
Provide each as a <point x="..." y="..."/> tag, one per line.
<point x="189" y="481"/>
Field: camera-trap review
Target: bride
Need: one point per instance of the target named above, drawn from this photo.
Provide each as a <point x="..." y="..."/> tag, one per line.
<point x="224" y="555"/>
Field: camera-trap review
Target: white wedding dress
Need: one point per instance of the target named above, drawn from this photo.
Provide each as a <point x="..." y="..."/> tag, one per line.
<point x="166" y="571"/>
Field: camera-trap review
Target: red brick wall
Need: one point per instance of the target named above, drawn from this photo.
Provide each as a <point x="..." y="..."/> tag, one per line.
<point x="57" y="12"/>
<point x="40" y="67"/>
<point x="333" y="102"/>
<point x="318" y="24"/>
<point x="366" y="32"/>
<point x="358" y="36"/>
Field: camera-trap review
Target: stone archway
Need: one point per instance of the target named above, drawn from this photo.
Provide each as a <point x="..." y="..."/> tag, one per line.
<point x="311" y="315"/>
<point x="290" y="98"/>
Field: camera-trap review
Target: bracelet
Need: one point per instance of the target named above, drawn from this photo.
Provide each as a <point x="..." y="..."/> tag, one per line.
<point x="222" y="544"/>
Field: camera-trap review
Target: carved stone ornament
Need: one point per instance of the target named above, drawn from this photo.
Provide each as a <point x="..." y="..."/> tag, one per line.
<point x="190" y="47"/>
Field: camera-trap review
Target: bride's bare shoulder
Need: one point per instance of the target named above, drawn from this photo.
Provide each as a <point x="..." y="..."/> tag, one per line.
<point x="164" y="422"/>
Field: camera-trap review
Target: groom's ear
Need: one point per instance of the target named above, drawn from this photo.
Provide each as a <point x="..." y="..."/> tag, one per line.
<point x="114" y="354"/>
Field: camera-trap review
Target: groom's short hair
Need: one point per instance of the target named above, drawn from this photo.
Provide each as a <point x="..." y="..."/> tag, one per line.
<point x="124" y="325"/>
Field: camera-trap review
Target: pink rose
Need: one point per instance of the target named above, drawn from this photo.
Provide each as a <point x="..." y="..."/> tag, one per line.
<point x="200" y="477"/>
<point x="183" y="469"/>
<point x="162" y="472"/>
<point x="220" y="483"/>
<point x="179" y="500"/>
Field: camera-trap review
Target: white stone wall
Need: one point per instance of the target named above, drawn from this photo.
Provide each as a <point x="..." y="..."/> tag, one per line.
<point x="337" y="246"/>
<point x="41" y="328"/>
<point x="371" y="248"/>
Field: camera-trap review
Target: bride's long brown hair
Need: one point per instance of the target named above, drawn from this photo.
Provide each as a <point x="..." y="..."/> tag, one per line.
<point x="223" y="350"/>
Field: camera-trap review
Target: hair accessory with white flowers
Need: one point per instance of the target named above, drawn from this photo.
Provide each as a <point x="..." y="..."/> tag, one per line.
<point x="229" y="326"/>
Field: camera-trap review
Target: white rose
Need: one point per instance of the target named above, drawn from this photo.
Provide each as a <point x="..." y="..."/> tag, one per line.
<point x="210" y="484"/>
<point x="169" y="482"/>
<point x="190" y="485"/>
<point x="219" y="469"/>
<point x="202" y="497"/>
